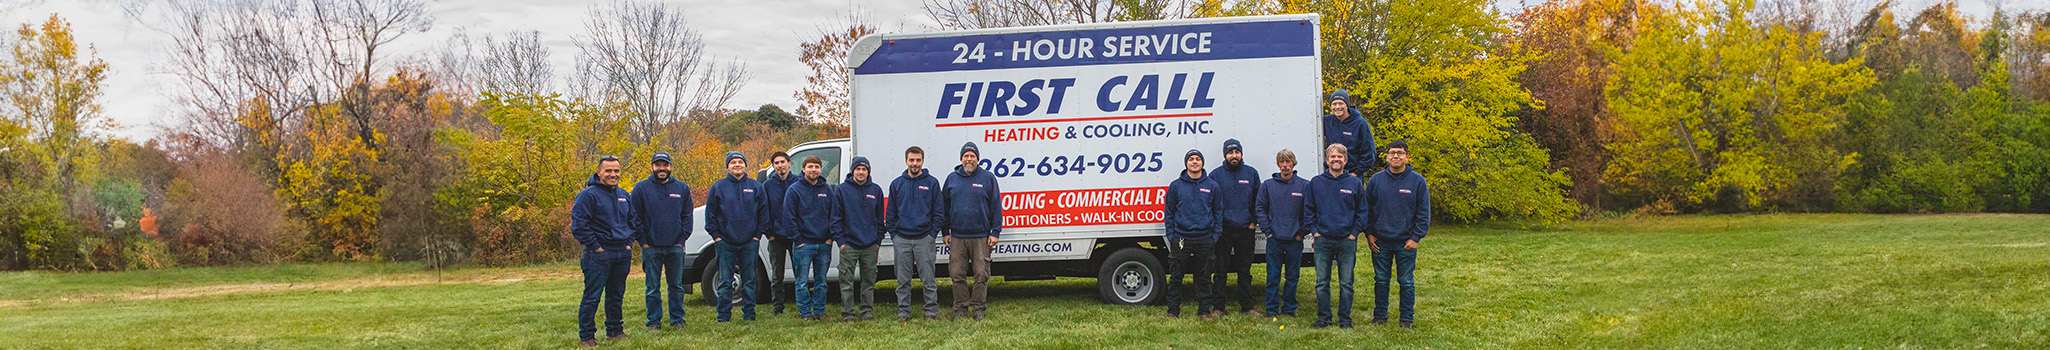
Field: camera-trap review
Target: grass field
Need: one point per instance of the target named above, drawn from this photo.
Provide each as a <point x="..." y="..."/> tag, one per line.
<point x="1751" y="281"/>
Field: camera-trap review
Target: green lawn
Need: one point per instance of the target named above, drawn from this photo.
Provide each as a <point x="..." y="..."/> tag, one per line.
<point x="1749" y="281"/>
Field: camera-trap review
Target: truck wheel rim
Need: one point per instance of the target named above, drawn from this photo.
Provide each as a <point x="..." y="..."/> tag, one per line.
<point x="1134" y="282"/>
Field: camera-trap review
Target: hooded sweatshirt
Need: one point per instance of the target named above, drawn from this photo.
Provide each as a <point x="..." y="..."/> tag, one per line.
<point x="737" y="210"/>
<point x="1283" y="209"/>
<point x="807" y="210"/>
<point x="1358" y="137"/>
<point x="1194" y="209"/>
<point x="1340" y="205"/>
<point x="1236" y="186"/>
<point x="858" y="212"/>
<point x="775" y="186"/>
<point x="662" y="212"/>
<point x="601" y="217"/>
<point x="974" y="207"/>
<point x="914" y="206"/>
<point x="1402" y="205"/>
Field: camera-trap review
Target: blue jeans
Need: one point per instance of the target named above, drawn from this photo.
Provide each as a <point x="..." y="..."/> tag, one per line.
<point x="1284" y="258"/>
<point x="664" y="264"/>
<point x="1404" y="261"/>
<point x="811" y="263"/>
<point x="604" y="275"/>
<point x="737" y="271"/>
<point x="1335" y="257"/>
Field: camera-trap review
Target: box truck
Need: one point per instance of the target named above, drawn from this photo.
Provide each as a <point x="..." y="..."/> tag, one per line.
<point x="1083" y="125"/>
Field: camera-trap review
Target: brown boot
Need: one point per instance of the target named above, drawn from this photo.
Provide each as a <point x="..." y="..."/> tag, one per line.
<point x="616" y="337"/>
<point x="589" y="343"/>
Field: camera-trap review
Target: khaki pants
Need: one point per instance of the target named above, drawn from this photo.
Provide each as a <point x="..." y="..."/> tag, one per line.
<point x="965" y="256"/>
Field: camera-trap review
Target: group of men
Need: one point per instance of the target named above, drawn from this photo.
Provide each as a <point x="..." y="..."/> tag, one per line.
<point x="804" y="218"/>
<point x="1211" y="217"/>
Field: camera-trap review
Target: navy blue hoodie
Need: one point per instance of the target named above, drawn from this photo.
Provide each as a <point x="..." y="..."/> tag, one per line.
<point x="775" y="187"/>
<point x="914" y="205"/>
<point x="807" y="211"/>
<point x="1283" y="209"/>
<point x="975" y="208"/>
<point x="662" y="212"/>
<point x="1236" y="188"/>
<point x="1357" y="136"/>
<point x="737" y="210"/>
<point x="1402" y="205"/>
<point x="858" y="213"/>
<point x="1340" y="204"/>
<point x="601" y="217"/>
<point x="1194" y="209"/>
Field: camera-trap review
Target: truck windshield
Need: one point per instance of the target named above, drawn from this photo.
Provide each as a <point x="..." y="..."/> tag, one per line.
<point x="829" y="155"/>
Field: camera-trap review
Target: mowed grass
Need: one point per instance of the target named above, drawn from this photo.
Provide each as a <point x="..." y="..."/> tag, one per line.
<point x="1745" y="281"/>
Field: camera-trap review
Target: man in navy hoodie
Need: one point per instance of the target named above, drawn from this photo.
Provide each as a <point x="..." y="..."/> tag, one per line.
<point x="1346" y="126"/>
<point x="1236" y="185"/>
<point x="736" y="215"/>
<point x="662" y="206"/>
<point x="601" y="220"/>
<point x="1402" y="215"/>
<point x="913" y="220"/>
<point x="973" y="220"/>
<point x="858" y="228"/>
<point x="1283" y="212"/>
<point x="775" y="181"/>
<point x="1193" y="212"/>
<point x="1341" y="206"/>
<point x="807" y="207"/>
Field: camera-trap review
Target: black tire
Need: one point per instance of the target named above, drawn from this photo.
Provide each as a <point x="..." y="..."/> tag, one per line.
<point x="708" y="281"/>
<point x="1131" y="276"/>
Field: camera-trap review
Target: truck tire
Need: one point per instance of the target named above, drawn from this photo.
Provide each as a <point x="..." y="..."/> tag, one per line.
<point x="708" y="282"/>
<point x="1131" y="276"/>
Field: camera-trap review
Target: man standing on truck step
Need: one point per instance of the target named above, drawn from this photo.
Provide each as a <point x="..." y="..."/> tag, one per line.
<point x="913" y="219"/>
<point x="858" y="227"/>
<point x="1346" y="126"/>
<point x="662" y="206"/>
<point x="808" y="217"/>
<point x="1237" y="184"/>
<point x="1342" y="209"/>
<point x="601" y="220"/>
<point x="774" y="182"/>
<point x="1402" y="215"/>
<point x="736" y="215"/>
<point x="1283" y="212"/>
<point x="974" y="218"/>
<point x="1193" y="213"/>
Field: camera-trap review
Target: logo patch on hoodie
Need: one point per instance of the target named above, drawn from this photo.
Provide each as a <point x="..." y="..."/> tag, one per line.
<point x="1295" y="194"/>
<point x="673" y="195"/>
<point x="1205" y="190"/>
<point x="622" y="200"/>
<point x="1242" y="182"/>
<point x="1347" y="133"/>
<point x="1345" y="191"/>
<point x="822" y="195"/>
<point x="870" y="196"/>
<point x="1404" y="191"/>
<point x="747" y="190"/>
<point x="976" y="185"/>
<point x="923" y="188"/>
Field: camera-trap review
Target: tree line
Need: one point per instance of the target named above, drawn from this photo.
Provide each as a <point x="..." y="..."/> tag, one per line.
<point x="300" y="135"/>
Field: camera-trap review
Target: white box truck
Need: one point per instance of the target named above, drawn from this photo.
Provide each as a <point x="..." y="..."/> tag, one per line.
<point x="1084" y="126"/>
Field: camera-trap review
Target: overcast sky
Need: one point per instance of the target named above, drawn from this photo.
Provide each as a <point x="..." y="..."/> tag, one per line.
<point x="763" y="33"/>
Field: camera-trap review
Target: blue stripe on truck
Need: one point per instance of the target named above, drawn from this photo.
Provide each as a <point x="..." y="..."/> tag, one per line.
<point x="1201" y="42"/>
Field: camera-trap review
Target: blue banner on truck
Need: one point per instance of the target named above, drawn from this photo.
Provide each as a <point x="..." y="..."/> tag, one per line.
<point x="1197" y="42"/>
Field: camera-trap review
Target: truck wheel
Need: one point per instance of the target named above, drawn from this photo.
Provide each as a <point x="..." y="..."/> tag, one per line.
<point x="1131" y="276"/>
<point x="708" y="283"/>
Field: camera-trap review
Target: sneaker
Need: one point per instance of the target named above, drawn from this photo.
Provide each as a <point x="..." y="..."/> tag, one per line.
<point x="589" y="343"/>
<point x="1210" y="316"/>
<point x="870" y="318"/>
<point x="677" y="325"/>
<point x="1217" y="314"/>
<point x="1345" y="325"/>
<point x="1253" y="313"/>
<point x="847" y="318"/>
<point x="1320" y="324"/>
<point x="978" y="315"/>
<point x="1379" y="321"/>
<point x="653" y="327"/>
<point x="1406" y="325"/>
<point x="903" y="318"/>
<point x="932" y="317"/>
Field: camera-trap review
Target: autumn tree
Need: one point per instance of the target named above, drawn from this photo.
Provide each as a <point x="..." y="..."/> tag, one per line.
<point x="647" y="59"/>
<point x="1569" y="45"/>
<point x="825" y="95"/>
